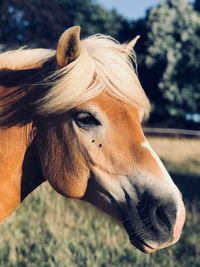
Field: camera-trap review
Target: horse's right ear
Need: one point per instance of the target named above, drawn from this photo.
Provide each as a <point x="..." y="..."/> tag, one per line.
<point x="69" y="46"/>
<point x="131" y="44"/>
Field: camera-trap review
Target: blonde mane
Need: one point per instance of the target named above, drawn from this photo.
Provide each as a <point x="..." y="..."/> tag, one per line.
<point x="24" y="58"/>
<point x="103" y="65"/>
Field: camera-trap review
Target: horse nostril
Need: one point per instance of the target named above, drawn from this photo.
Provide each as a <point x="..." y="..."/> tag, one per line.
<point x="159" y="216"/>
<point x="164" y="217"/>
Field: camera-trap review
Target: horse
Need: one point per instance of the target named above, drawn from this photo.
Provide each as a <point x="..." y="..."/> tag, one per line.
<point x="72" y="117"/>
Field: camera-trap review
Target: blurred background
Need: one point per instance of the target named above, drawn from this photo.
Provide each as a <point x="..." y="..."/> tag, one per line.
<point x="50" y="231"/>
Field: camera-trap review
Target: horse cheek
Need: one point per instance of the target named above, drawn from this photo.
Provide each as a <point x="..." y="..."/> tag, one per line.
<point x="62" y="165"/>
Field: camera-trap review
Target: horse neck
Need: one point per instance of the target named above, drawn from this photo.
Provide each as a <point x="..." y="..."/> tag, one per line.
<point x="20" y="171"/>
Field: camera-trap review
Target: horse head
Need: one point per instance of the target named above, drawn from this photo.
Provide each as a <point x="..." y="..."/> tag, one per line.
<point x="95" y="148"/>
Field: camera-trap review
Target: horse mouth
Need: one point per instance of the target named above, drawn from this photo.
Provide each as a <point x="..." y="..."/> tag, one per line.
<point x="142" y="245"/>
<point x="142" y="235"/>
<point x="138" y="241"/>
<point x="134" y="238"/>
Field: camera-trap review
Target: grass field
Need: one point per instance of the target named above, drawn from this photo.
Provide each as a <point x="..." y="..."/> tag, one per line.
<point x="49" y="231"/>
<point x="179" y="155"/>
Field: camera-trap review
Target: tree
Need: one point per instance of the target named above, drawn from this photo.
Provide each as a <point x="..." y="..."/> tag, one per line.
<point x="93" y="18"/>
<point x="173" y="59"/>
<point x="40" y="22"/>
<point x="197" y="5"/>
<point x="34" y="21"/>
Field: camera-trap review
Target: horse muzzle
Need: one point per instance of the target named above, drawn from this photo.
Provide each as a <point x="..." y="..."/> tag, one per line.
<point x="152" y="223"/>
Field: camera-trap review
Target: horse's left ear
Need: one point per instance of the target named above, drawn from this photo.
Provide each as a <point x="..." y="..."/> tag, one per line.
<point x="131" y="44"/>
<point x="69" y="46"/>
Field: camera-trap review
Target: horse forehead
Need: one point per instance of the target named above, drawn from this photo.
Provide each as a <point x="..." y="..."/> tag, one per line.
<point x="123" y="118"/>
<point x="114" y="108"/>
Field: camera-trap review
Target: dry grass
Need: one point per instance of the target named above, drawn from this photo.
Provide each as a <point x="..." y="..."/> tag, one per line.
<point x="179" y="154"/>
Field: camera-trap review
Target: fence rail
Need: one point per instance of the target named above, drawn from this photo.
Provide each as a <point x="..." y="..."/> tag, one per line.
<point x="171" y="132"/>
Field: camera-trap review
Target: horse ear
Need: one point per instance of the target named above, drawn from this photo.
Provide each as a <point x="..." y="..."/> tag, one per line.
<point x="69" y="46"/>
<point x="131" y="44"/>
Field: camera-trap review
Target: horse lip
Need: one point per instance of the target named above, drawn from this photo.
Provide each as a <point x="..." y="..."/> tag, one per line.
<point x="139" y="243"/>
<point x="142" y="245"/>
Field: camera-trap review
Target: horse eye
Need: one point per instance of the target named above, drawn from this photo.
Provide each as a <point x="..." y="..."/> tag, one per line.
<point x="86" y="119"/>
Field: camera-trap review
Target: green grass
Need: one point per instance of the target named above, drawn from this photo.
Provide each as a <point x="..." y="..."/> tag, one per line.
<point x="50" y="231"/>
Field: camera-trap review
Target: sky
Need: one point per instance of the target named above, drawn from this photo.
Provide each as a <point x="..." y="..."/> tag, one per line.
<point x="132" y="9"/>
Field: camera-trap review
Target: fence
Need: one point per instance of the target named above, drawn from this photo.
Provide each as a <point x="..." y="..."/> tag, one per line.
<point x="171" y="132"/>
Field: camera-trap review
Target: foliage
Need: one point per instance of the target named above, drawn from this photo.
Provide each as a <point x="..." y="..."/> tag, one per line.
<point x="41" y="22"/>
<point x="197" y="5"/>
<point x="35" y="22"/>
<point x="93" y="18"/>
<point x="173" y="56"/>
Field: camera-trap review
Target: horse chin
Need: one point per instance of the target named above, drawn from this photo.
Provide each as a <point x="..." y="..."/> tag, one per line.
<point x="148" y="246"/>
<point x="142" y="246"/>
<point x="108" y="205"/>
